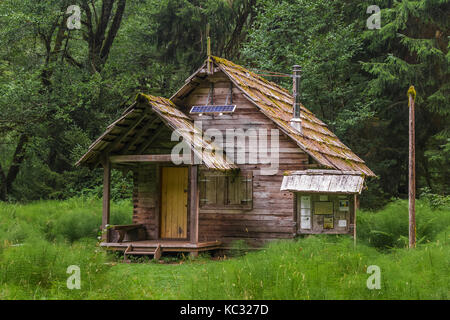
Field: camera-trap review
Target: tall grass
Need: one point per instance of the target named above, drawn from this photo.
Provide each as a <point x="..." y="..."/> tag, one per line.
<point x="388" y="228"/>
<point x="68" y="220"/>
<point x="39" y="241"/>
<point x="317" y="268"/>
<point x="38" y="269"/>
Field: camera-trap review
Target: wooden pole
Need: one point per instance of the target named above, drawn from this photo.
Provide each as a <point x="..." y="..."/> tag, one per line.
<point x="106" y="198"/>
<point x="208" y="50"/>
<point x="355" y="207"/>
<point x="412" y="170"/>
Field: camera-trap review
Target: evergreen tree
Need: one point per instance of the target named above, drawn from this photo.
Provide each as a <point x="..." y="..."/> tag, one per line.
<point x="411" y="48"/>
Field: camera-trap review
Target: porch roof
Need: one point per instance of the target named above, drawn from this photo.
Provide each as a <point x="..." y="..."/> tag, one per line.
<point x="141" y="123"/>
<point x="323" y="181"/>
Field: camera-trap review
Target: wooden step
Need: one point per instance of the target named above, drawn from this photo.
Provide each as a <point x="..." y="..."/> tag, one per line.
<point x="142" y="253"/>
<point x="156" y="253"/>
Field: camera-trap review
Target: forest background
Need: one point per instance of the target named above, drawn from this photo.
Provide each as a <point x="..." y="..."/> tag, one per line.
<point x="61" y="87"/>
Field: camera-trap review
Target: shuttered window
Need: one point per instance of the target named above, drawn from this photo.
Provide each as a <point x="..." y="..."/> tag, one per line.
<point x="220" y="190"/>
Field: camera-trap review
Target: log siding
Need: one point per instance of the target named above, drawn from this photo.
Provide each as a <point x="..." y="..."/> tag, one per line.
<point x="272" y="215"/>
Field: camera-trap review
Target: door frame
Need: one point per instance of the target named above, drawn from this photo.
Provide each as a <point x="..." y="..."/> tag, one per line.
<point x="188" y="231"/>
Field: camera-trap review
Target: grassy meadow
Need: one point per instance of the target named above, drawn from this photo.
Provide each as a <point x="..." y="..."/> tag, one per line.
<point x="38" y="241"/>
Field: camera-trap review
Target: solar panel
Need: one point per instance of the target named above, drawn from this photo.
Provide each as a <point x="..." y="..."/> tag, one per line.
<point x="213" y="109"/>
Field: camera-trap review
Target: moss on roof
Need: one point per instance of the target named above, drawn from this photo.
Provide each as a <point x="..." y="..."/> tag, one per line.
<point x="276" y="103"/>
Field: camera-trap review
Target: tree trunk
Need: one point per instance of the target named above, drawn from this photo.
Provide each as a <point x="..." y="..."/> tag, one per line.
<point x="231" y="49"/>
<point x="99" y="37"/>
<point x="2" y="184"/>
<point x="7" y="180"/>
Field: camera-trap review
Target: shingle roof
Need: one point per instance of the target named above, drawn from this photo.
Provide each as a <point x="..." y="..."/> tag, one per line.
<point x="147" y="112"/>
<point x="276" y="103"/>
<point x="272" y="100"/>
<point x="323" y="181"/>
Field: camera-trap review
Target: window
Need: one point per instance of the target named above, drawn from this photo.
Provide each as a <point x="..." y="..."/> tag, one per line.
<point x="221" y="190"/>
<point x="304" y="211"/>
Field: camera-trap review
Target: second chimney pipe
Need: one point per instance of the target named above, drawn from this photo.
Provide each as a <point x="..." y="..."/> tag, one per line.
<point x="295" y="121"/>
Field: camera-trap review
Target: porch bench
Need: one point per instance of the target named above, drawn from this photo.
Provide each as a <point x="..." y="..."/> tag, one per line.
<point x="129" y="231"/>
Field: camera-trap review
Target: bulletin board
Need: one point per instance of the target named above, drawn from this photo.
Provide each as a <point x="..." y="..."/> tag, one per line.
<point x="321" y="207"/>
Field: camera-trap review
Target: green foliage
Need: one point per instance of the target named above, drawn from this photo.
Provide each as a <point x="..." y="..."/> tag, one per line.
<point x="239" y="248"/>
<point x="62" y="221"/>
<point x="313" y="267"/>
<point x="435" y="201"/>
<point x="52" y="90"/>
<point x="322" y="268"/>
<point x="356" y="80"/>
<point x="388" y="228"/>
<point x="57" y="99"/>
<point x="411" y="48"/>
<point x="321" y="38"/>
<point x="39" y="265"/>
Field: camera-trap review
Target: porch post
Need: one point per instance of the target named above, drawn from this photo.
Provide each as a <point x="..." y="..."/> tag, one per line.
<point x="106" y="197"/>
<point x="193" y="204"/>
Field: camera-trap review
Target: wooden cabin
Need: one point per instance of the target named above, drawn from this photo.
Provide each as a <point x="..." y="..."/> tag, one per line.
<point x="214" y="199"/>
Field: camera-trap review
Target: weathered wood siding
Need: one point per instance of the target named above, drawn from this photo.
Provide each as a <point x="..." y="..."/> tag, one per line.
<point x="273" y="213"/>
<point x="146" y="198"/>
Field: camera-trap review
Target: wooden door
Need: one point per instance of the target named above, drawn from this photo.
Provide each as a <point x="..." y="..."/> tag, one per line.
<point x="174" y="200"/>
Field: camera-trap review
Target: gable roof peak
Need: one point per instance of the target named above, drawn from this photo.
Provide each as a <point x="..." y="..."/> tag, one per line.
<point x="276" y="103"/>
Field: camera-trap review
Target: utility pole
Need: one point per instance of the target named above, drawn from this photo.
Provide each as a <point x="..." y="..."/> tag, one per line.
<point x="412" y="169"/>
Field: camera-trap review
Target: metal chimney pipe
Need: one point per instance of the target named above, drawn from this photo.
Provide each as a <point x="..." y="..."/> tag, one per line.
<point x="296" y="121"/>
<point x="296" y="82"/>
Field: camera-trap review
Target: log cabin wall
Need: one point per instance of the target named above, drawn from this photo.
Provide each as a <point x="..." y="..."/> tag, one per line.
<point x="273" y="214"/>
<point x="146" y="199"/>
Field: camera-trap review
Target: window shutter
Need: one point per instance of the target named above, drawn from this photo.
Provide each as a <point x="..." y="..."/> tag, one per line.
<point x="202" y="185"/>
<point x="211" y="190"/>
<point x="233" y="190"/>
<point x="246" y="189"/>
<point x="207" y="189"/>
<point x="222" y="190"/>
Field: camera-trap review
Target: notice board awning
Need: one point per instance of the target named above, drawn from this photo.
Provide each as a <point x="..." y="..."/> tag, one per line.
<point x="323" y="181"/>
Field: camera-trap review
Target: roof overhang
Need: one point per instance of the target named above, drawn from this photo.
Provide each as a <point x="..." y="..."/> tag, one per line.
<point x="138" y="121"/>
<point x="323" y="181"/>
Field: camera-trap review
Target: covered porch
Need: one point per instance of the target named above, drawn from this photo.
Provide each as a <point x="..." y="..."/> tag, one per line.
<point x="165" y="194"/>
<point x="165" y="208"/>
<point x="157" y="247"/>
